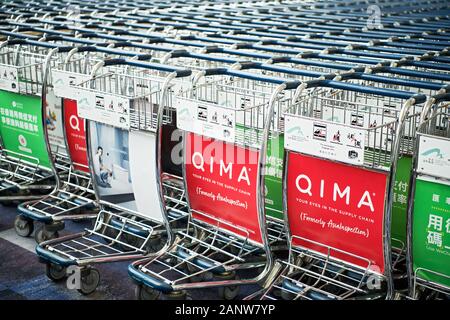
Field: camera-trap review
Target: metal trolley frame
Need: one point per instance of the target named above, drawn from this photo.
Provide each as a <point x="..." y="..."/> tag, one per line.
<point x="318" y="270"/>
<point x="213" y="249"/>
<point x="120" y="233"/>
<point x="428" y="277"/>
<point x="73" y="198"/>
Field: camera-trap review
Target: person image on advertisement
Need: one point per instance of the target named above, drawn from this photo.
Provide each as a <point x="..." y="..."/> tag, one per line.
<point x="101" y="169"/>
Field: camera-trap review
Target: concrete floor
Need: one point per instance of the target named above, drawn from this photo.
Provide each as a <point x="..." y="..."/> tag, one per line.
<point x="22" y="276"/>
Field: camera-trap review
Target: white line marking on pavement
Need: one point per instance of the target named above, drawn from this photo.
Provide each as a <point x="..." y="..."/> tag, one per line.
<point x="25" y="243"/>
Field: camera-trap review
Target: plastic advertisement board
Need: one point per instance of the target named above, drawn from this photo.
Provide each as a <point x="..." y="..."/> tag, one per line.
<point x="76" y="135"/>
<point x="431" y="231"/>
<point x="221" y="180"/>
<point x="143" y="174"/>
<point x="339" y="206"/>
<point x="21" y="127"/>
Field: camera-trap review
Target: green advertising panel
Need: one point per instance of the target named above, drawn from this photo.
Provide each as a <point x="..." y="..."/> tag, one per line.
<point x="21" y="127"/>
<point x="400" y="201"/>
<point x="274" y="176"/>
<point x="431" y="231"/>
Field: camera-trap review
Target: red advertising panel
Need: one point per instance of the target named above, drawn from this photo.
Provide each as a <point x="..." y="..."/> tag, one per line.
<point x="76" y="135"/>
<point x="338" y="206"/>
<point x="221" y="181"/>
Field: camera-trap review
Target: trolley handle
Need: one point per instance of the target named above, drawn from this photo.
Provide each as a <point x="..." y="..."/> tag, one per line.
<point x="419" y="98"/>
<point x="441" y="97"/>
<point x="155" y="66"/>
<point x="39" y="44"/>
<point x="387" y="80"/>
<point x="186" y="54"/>
<point x="289" y="84"/>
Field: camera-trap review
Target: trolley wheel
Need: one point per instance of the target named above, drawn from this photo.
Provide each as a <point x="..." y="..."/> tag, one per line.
<point x="177" y="295"/>
<point x="90" y="278"/>
<point x="24" y="227"/>
<point x="142" y="292"/>
<point x="204" y="276"/>
<point x="42" y="235"/>
<point x="55" y="272"/>
<point x="286" y="295"/>
<point x="228" y="292"/>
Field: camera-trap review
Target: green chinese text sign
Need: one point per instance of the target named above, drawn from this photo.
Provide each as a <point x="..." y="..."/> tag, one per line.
<point x="21" y="128"/>
<point x="431" y="231"/>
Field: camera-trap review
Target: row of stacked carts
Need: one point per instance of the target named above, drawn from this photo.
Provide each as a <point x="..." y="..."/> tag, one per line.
<point x="298" y="148"/>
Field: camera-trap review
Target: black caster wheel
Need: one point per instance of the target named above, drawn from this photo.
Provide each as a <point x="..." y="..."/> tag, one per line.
<point x="42" y="235"/>
<point x="55" y="272"/>
<point x="156" y="243"/>
<point x="177" y="295"/>
<point x="90" y="278"/>
<point x="142" y="292"/>
<point x="228" y="292"/>
<point x="24" y="227"/>
<point x="286" y="295"/>
<point x="204" y="276"/>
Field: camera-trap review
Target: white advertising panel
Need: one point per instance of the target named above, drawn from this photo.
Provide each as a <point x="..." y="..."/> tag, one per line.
<point x="434" y="156"/>
<point x="109" y="152"/>
<point x="105" y="108"/>
<point x="324" y="139"/>
<point x="143" y="174"/>
<point x="53" y="120"/>
<point x="64" y="83"/>
<point x="206" y="119"/>
<point x="9" y="80"/>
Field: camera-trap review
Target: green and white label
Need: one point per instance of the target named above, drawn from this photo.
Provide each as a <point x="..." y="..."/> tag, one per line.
<point x="274" y="177"/>
<point x="431" y="231"/>
<point x="21" y="128"/>
<point x="400" y="201"/>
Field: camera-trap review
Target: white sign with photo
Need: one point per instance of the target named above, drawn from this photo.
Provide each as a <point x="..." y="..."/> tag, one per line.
<point x="434" y="156"/>
<point x="105" y="108"/>
<point x="9" y="80"/>
<point x="325" y="139"/>
<point x="206" y="119"/>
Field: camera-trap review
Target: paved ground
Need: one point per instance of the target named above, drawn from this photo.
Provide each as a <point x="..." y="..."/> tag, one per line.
<point x="22" y="276"/>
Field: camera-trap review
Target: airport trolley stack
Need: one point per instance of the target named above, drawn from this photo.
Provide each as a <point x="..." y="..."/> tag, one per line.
<point x="225" y="149"/>
<point x="73" y="198"/>
<point x="345" y="75"/>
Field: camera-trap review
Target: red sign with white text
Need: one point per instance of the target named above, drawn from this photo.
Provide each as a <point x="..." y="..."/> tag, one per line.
<point x="221" y="183"/>
<point x="76" y="135"/>
<point x="338" y="206"/>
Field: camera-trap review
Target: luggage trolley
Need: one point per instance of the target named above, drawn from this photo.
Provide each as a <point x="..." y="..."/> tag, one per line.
<point x="73" y="197"/>
<point x="418" y="82"/>
<point x="339" y="183"/>
<point x="225" y="149"/>
<point x="120" y="108"/>
<point x="28" y="161"/>
<point x="429" y="204"/>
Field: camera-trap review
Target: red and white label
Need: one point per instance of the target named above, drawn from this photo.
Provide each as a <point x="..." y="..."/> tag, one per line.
<point x="76" y="135"/>
<point x="221" y="181"/>
<point x="338" y="206"/>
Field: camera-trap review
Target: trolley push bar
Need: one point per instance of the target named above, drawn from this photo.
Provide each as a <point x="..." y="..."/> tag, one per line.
<point x="327" y="54"/>
<point x="73" y="196"/>
<point x="227" y="231"/>
<point x="428" y="211"/>
<point x="129" y="225"/>
<point x="340" y="230"/>
<point x="28" y="159"/>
